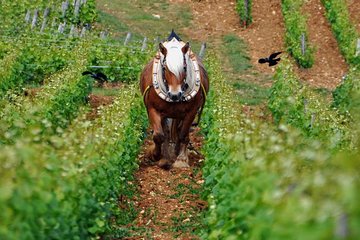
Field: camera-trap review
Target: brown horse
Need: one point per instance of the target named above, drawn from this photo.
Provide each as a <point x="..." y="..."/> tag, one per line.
<point x="174" y="85"/>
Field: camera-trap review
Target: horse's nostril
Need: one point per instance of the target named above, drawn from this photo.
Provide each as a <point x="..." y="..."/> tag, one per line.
<point x="174" y="97"/>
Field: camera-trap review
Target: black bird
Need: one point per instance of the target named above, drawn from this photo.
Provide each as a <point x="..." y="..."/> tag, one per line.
<point x="99" y="77"/>
<point x="272" y="60"/>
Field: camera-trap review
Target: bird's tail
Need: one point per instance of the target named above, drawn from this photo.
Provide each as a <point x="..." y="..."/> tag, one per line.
<point x="87" y="73"/>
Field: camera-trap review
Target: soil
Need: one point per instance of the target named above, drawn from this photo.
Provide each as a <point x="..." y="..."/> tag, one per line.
<point x="169" y="199"/>
<point x="164" y="209"/>
<point x="96" y="101"/>
<point x="354" y="10"/>
<point x="266" y="35"/>
<point x="329" y="66"/>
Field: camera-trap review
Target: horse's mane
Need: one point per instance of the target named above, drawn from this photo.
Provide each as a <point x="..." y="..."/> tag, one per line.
<point x="175" y="57"/>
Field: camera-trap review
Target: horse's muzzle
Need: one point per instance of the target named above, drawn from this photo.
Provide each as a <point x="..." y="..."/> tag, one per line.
<point x="176" y="97"/>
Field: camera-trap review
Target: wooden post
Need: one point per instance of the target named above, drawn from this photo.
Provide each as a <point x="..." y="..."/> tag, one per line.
<point x="64" y="7"/>
<point x="303" y="44"/>
<point x="358" y="48"/>
<point x="157" y="41"/>
<point x="103" y="34"/>
<point x="202" y="50"/>
<point x="313" y="115"/>
<point x="46" y="14"/>
<point x="144" y="44"/>
<point x="305" y="105"/>
<point x="72" y="32"/>
<point x="127" y="39"/>
<point x="77" y="8"/>
<point x="61" y="27"/>
<point x="246" y="5"/>
<point x="83" y="31"/>
<point x="34" y="20"/>
<point x="28" y="16"/>
<point x="83" y="1"/>
<point x="342" y="228"/>
<point x="53" y="24"/>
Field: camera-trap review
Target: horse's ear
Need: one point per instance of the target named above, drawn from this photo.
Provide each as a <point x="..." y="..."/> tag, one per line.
<point x="185" y="48"/>
<point x="163" y="49"/>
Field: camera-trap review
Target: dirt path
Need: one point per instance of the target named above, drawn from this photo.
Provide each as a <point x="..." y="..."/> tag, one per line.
<point x="169" y="204"/>
<point x="212" y="19"/>
<point x="266" y="34"/>
<point x="354" y="10"/>
<point x="329" y="66"/>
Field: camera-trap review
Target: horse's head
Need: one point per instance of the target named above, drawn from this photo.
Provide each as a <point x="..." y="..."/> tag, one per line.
<point x="174" y="59"/>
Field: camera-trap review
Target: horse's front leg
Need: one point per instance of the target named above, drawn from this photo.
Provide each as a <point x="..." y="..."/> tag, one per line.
<point x="158" y="135"/>
<point x="182" y="160"/>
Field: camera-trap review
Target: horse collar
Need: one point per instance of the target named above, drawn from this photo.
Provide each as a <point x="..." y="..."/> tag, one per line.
<point x="192" y="80"/>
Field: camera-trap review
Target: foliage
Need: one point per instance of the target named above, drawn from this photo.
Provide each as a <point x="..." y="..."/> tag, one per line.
<point x="236" y="50"/>
<point x="126" y="62"/>
<point x="271" y="182"/>
<point x="244" y="11"/>
<point x="55" y="105"/>
<point x="13" y="24"/>
<point x="71" y="187"/>
<point x="295" y="25"/>
<point x="344" y="31"/>
<point x="30" y="62"/>
<point x="298" y="105"/>
<point x="343" y="95"/>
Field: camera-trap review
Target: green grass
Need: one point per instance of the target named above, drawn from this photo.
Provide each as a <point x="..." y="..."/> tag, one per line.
<point x="236" y="51"/>
<point x="106" y="91"/>
<point x="112" y="23"/>
<point x="249" y="85"/>
<point x="139" y="19"/>
<point x="251" y="93"/>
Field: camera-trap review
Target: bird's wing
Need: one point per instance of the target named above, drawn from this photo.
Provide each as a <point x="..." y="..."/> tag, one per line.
<point x="273" y="55"/>
<point x="101" y="75"/>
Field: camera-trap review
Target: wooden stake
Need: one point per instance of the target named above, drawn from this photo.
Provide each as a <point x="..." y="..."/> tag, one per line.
<point x="77" y="8"/>
<point x="127" y="39"/>
<point x="303" y="44"/>
<point x="28" y="16"/>
<point x="46" y="14"/>
<point x="358" y="48"/>
<point x="144" y="44"/>
<point x="64" y="7"/>
<point x="83" y="31"/>
<point x="202" y="50"/>
<point x="36" y="14"/>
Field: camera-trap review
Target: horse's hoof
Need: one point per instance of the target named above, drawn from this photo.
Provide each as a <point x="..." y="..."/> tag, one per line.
<point x="164" y="163"/>
<point x="180" y="164"/>
<point x="150" y="153"/>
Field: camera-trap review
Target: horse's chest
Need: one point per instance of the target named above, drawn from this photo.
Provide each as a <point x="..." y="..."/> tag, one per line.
<point x="175" y="110"/>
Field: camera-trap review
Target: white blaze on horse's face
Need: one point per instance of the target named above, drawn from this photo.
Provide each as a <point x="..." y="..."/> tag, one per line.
<point x="174" y="59"/>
